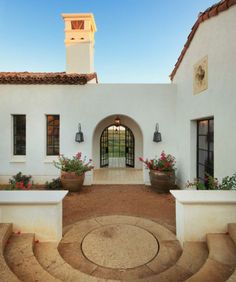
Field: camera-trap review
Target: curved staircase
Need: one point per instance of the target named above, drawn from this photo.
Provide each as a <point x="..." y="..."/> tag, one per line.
<point x="24" y="259"/>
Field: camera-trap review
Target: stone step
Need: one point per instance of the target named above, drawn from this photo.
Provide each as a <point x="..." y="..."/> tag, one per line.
<point x="50" y="259"/>
<point x="221" y="261"/>
<point x="76" y="251"/>
<point x="193" y="257"/>
<point x="232" y="231"/>
<point x="232" y="278"/>
<point x="222" y="249"/>
<point x="6" y="274"/>
<point x="20" y="258"/>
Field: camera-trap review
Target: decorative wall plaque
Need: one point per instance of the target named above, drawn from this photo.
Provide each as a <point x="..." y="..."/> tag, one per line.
<point x="200" y="76"/>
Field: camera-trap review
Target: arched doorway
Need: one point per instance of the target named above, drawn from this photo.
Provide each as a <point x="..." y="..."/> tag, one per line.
<point x="128" y="170"/>
<point x="117" y="147"/>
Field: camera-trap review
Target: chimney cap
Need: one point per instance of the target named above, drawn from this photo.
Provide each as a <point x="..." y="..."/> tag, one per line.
<point x="84" y="16"/>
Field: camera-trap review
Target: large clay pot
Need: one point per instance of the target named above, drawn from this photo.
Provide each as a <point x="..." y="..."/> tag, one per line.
<point x="161" y="181"/>
<point x="71" y="181"/>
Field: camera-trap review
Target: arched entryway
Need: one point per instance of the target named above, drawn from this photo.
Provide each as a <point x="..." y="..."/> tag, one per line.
<point x="116" y="151"/>
<point x="117" y="147"/>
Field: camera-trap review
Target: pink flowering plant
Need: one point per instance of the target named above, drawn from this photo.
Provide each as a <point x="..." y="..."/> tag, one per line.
<point x="76" y="164"/>
<point x="20" y="182"/>
<point x="165" y="163"/>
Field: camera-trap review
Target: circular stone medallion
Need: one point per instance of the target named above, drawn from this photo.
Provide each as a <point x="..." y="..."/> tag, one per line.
<point x="120" y="246"/>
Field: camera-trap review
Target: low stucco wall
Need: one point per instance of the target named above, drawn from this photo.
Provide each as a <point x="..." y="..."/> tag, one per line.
<point x="38" y="212"/>
<point x="202" y="212"/>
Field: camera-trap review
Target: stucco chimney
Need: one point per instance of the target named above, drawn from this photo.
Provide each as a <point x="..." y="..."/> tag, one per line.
<point x="79" y="42"/>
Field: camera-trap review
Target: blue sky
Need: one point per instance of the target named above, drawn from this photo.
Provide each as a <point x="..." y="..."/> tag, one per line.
<point x="137" y="41"/>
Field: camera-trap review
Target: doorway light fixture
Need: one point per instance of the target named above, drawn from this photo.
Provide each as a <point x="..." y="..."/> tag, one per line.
<point x="79" y="137"/>
<point x="157" y="135"/>
<point x="117" y="121"/>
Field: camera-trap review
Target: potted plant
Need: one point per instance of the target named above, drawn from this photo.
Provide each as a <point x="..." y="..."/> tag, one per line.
<point x="161" y="171"/>
<point x="73" y="171"/>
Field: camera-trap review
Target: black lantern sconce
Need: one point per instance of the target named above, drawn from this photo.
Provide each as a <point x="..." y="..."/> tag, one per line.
<point x="117" y="121"/>
<point x="157" y="134"/>
<point x="79" y="137"/>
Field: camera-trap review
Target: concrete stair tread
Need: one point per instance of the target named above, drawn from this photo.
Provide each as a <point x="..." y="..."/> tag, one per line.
<point x="232" y="278"/>
<point x="232" y="231"/>
<point x="222" y="249"/>
<point x="194" y="256"/>
<point x="6" y="274"/>
<point x="50" y="259"/>
<point x="20" y="258"/>
<point x="212" y="271"/>
<point x="169" y="253"/>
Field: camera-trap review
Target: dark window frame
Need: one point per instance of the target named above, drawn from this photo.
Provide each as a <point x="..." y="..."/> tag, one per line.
<point x="19" y="135"/>
<point x="53" y="147"/>
<point x="209" y="136"/>
<point x="129" y="145"/>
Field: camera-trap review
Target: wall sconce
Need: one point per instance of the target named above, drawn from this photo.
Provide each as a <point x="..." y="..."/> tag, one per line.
<point x="79" y="137"/>
<point x="157" y="134"/>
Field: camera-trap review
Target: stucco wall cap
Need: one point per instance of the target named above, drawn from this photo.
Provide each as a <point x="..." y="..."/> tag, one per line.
<point x="208" y="196"/>
<point x="31" y="197"/>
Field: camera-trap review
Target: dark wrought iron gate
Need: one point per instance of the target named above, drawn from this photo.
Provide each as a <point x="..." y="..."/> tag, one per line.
<point x="129" y="147"/>
<point x="104" y="158"/>
<point x="117" y="141"/>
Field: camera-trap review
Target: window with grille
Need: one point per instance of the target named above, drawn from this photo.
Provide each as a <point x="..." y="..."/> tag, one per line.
<point x="205" y="148"/>
<point x="53" y="135"/>
<point x="19" y="135"/>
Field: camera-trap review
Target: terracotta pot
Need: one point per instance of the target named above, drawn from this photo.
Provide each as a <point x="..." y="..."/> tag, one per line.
<point x="161" y="181"/>
<point x="71" y="181"/>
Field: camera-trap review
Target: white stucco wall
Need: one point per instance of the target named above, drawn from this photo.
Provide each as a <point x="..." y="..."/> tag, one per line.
<point x="89" y="104"/>
<point x="214" y="38"/>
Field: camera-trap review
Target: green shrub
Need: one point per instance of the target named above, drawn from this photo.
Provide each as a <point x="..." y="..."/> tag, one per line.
<point x="55" y="184"/>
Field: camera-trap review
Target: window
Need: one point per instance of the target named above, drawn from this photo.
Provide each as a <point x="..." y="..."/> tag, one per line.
<point x="77" y="24"/>
<point x="205" y="148"/>
<point x="53" y="133"/>
<point x="19" y="135"/>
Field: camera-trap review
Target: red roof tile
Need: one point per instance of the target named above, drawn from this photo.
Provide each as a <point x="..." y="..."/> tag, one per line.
<point x="45" y="78"/>
<point x="207" y="14"/>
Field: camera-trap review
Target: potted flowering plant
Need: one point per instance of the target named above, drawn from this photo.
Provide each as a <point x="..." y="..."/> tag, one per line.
<point x="73" y="171"/>
<point x="161" y="171"/>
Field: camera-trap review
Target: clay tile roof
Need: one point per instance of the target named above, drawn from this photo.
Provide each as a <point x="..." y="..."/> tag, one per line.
<point x="45" y="78"/>
<point x="207" y="14"/>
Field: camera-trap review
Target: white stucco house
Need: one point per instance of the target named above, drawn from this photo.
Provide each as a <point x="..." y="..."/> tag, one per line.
<point x="196" y="112"/>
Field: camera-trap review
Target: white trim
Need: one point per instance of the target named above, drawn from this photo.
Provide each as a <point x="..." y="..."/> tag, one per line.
<point x="50" y="159"/>
<point x="205" y="197"/>
<point x="32" y="197"/>
<point x="18" y="159"/>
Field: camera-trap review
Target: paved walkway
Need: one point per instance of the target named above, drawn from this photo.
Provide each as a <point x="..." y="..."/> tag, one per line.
<point x="118" y="176"/>
<point x="119" y="247"/>
<point x="132" y="200"/>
